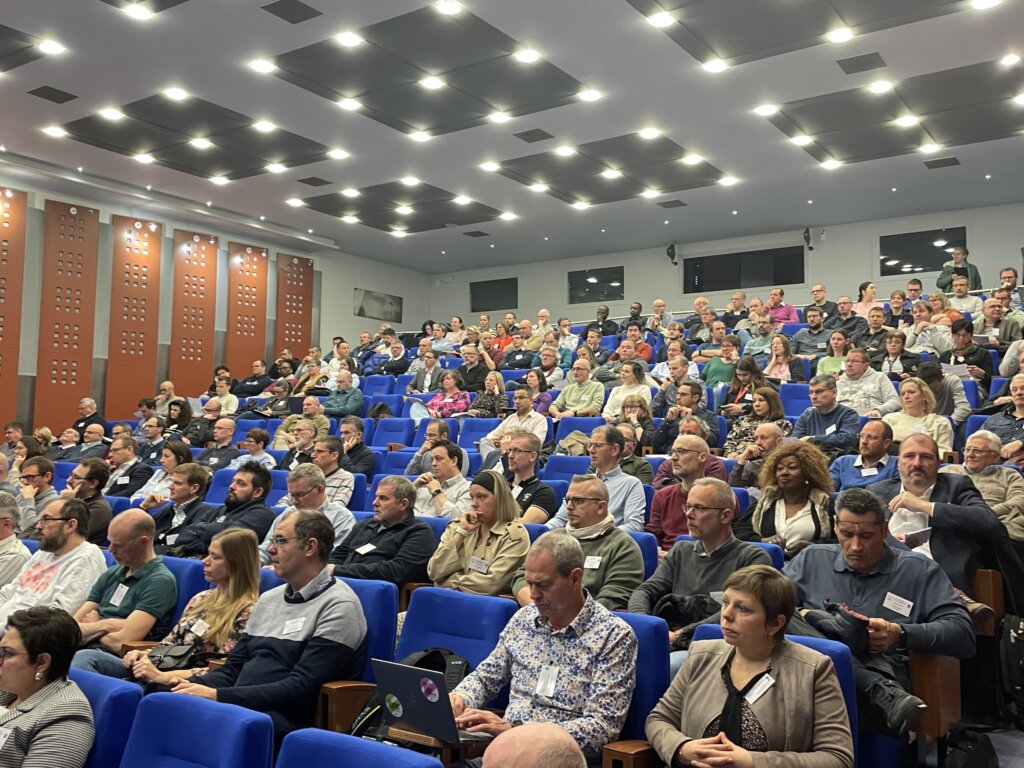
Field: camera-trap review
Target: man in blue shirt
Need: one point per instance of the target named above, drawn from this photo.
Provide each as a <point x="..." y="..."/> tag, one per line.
<point x="829" y="425"/>
<point x="872" y="464"/>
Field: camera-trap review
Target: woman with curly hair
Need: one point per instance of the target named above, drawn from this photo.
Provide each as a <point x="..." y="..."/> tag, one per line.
<point x="636" y="412"/>
<point x="795" y="508"/>
<point x="766" y="408"/>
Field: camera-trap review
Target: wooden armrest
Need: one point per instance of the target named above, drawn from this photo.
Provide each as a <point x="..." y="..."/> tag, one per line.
<point x="988" y="589"/>
<point x="633" y="753"/>
<point x="396" y="446"/>
<point x="935" y="679"/>
<point x="406" y="593"/>
<point x="340" y="702"/>
<point x="951" y="457"/>
<point x="213" y="664"/>
<point x="137" y="645"/>
<point x="646" y="450"/>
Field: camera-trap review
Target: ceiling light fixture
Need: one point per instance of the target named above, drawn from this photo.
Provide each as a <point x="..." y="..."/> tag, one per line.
<point x="337" y="154"/>
<point x="410" y="181"/>
<point x="51" y="47"/>
<point x="144" y="157"/>
<point x="564" y="151"/>
<point x="489" y="166"/>
<point x="538" y="187"/>
<point x="984" y="5"/>
<point x="350" y="105"/>
<point x="432" y="83"/>
<point x="508" y="216"/>
<point x="661" y="20"/>
<point x="801" y="140"/>
<point x="880" y="86"/>
<point x="591" y="279"/>
<point x="294" y="202"/>
<point x="766" y="110"/>
<point x="691" y="158"/>
<point x="1019" y="99"/>
<point x="263" y="66"/>
<point x="276" y="168"/>
<point x="611" y="173"/>
<point x="988" y="176"/>
<point x="810" y="202"/>
<point x="348" y="39"/>
<point x="111" y="113"/>
<point x="263" y="218"/>
<point x="462" y="200"/>
<point x="499" y="117"/>
<point x="831" y="164"/>
<point x="201" y="143"/>
<point x="735" y="213"/>
<point x="350" y="219"/>
<point x="649" y="133"/>
<point x="939" y="243"/>
<point x="907" y="121"/>
<point x="220" y="181"/>
<point x="399" y="233"/>
<point x="714" y="66"/>
<point x="650" y="193"/>
<point x="1010" y="59"/>
<point x="840" y="35"/>
<point x="728" y="181"/>
<point x="137" y="11"/>
<point x="892" y="262"/>
<point x="420" y="136"/>
<point x="589" y="94"/>
<point x="264" y="126"/>
<point x="929" y="148"/>
<point x="448" y="7"/>
<point x="527" y="56"/>
<point x="581" y="205"/>
<point x="175" y="94"/>
<point x="403" y="210"/>
<point x="349" y="192"/>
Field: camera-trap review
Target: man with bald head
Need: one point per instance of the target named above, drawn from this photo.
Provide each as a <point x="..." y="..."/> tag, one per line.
<point x="132" y="601"/>
<point x="689" y="456"/>
<point x="92" y="445"/>
<point x="583" y="397"/>
<point x="747" y="469"/>
<point x="221" y="451"/>
<point x="534" y="745"/>
<point x="164" y="397"/>
<point x="872" y="464"/>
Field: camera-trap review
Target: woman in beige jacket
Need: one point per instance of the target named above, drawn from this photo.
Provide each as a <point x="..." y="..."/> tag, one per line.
<point x="754" y="696"/>
<point x="481" y="551"/>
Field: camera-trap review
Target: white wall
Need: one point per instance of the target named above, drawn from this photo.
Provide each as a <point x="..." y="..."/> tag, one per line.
<point x="847" y="256"/>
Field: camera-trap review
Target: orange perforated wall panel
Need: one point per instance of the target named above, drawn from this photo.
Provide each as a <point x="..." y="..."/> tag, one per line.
<point x="294" y="302"/>
<point x="134" y="314"/>
<point x="67" y="312"/>
<point x="247" y="306"/>
<point x="13" y="208"/>
<point x="192" y="313"/>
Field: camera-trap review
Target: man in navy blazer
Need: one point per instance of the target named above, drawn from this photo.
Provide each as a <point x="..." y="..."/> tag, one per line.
<point x="180" y="508"/>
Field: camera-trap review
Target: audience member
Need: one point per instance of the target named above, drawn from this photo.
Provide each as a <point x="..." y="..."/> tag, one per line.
<point x="444" y="491"/>
<point x="688" y="457"/>
<point x="828" y="424"/>
<point x="36" y="492"/>
<point x="13" y="553"/>
<point x="864" y="389"/>
<point x="746" y="472"/>
<point x="917" y="415"/>
<point x="766" y="408"/>
<point x="85" y="483"/>
<point x="871" y="464"/>
<point x="894" y="361"/>
<point x="357" y="457"/>
<point x="1001" y="488"/>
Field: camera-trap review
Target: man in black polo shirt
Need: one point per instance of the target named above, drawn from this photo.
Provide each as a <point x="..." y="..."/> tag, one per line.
<point x="357" y="458"/>
<point x="536" y="499"/>
<point x="222" y="452"/>
<point x="252" y="385"/>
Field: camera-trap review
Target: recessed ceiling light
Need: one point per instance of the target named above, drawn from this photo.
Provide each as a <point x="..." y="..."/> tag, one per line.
<point x="350" y="192"/>
<point x="929" y="148"/>
<point x="337" y="154"/>
<point x="310" y="231"/>
<point x="263" y="218"/>
<point x="263" y="66"/>
<point x="201" y="143"/>
<point x="810" y="202"/>
<point x="144" y="157"/>
<point x="492" y="245"/>
<point x="892" y="262"/>
<point x="616" y="283"/>
<point x="728" y="181"/>
<point x="714" y="66"/>
<point x="499" y="117"/>
<point x="399" y="233"/>
<point x="80" y="169"/>
<point x="692" y="158"/>
<point x="277" y="168"/>
<point x="564" y="151"/>
<point x="735" y="213"/>
<point x="581" y="205"/>
<point x="264" y="126"/>
<point x="294" y="202"/>
<point x="462" y="200"/>
<point x="410" y="181"/>
<point x="420" y="136"/>
<point x="527" y="55"/>
<point x="1010" y="59"/>
<point x="950" y="250"/>
<point x="149" y="187"/>
<point x="350" y="219"/>
<point x="1019" y="99"/>
<point x="137" y="11"/>
<point x="649" y="193"/>
<point x="907" y="121"/>
<point x="589" y="94"/>
<point x="111" y="113"/>
<point x="508" y="216"/>
<point x="649" y="133"/>
<point x="766" y="110"/>
<point x="840" y="35"/>
<point x="350" y="105"/>
<point x="661" y="20"/>
<point x="919" y="269"/>
<point x="591" y="279"/>
<point x="984" y="5"/>
<point x="448" y="7"/>
<point x="880" y="86"/>
<point x="988" y="175"/>
<point x="348" y="39"/>
<point x="432" y="83"/>
<point x="489" y="166"/>
<point x="611" y="173"/>
<point x="831" y="164"/>
<point x="539" y="187"/>
<point x="209" y="203"/>
<point x="51" y="47"/>
<point x="220" y="181"/>
<point x="894" y="189"/>
<point x="666" y="221"/>
<point x="939" y="243"/>
<point x="801" y="140"/>
<point x="404" y="210"/>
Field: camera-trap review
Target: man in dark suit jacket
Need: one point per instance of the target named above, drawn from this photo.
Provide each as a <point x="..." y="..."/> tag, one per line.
<point x="963" y="527"/>
<point x="427" y="379"/>
<point x="127" y="472"/>
<point x="181" y="507"/>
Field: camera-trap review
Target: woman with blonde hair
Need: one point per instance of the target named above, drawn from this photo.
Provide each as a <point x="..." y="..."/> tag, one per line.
<point x="917" y="414"/>
<point x="488" y="532"/>
<point x="492" y="401"/>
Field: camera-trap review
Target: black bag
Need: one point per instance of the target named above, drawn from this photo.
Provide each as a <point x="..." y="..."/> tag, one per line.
<point x="370" y="723"/>
<point x="168" y="658"/>
<point x="970" y="749"/>
<point x="1011" y="668"/>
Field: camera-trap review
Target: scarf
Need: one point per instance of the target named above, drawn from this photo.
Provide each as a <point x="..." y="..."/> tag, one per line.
<point x="731" y="722"/>
<point x="591" y="531"/>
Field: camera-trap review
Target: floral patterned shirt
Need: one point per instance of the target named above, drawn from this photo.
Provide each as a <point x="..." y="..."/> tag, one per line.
<point x="448" y="405"/>
<point x="595" y="661"/>
<point x="182" y="634"/>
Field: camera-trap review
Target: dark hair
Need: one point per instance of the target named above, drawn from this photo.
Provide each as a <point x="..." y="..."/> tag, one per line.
<point x="147" y="402"/>
<point x="353" y="421"/>
<point x="184" y="414"/>
<point x="929" y="372"/>
<point x="634" y="323"/>
<point x="860" y="501"/>
<point x="452" y="450"/>
<point x="77" y="510"/>
<point x="613" y="436"/>
<point x="770" y="587"/>
<point x="15" y="425"/>
<point x="331" y="443"/>
<point x="915" y="281"/>
<point x="261" y="477"/>
<point x="542" y="382"/>
<point x="96" y="469"/>
<point x="846" y="342"/>
<point x="32" y="446"/>
<point x="863" y="287"/>
<point x="962" y="325"/>
<point x="44" y="464"/>
<point x="747" y="364"/>
<point x="181" y="452"/>
<point x="313" y="525"/>
<point x="258" y="435"/>
<point x="48" y="630"/>
<point x="442" y="427"/>
<point x="812" y="308"/>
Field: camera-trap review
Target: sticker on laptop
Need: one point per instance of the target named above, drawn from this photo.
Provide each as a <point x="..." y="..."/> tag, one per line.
<point x="393" y="704"/>
<point x="429" y="689"/>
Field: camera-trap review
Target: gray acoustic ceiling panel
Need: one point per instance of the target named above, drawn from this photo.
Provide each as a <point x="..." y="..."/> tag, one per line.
<point x="475" y="61"/>
<point x="377" y="206"/>
<point x="292" y="11"/>
<point x="16" y="48"/>
<point x="954" y="107"/>
<point x="584" y="176"/>
<point x="741" y="31"/>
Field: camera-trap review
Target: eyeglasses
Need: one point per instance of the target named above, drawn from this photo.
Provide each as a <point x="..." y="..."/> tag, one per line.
<point x="700" y="509"/>
<point x="681" y="451"/>
<point x="44" y="519"/>
<point x="973" y="451"/>
<point x="6" y="653"/>
<point x="574" y="501"/>
<point x="280" y="541"/>
<point x="29" y="478"/>
<point x="594" y="446"/>
<point x="302" y="494"/>
<point x="517" y="451"/>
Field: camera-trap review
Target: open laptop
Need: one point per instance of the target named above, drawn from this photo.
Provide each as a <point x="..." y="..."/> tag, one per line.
<point x="417" y="700"/>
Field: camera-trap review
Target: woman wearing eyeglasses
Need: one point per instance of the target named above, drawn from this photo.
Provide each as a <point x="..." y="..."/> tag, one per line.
<point x="171" y="456"/>
<point x="256" y="441"/>
<point x="45" y="719"/>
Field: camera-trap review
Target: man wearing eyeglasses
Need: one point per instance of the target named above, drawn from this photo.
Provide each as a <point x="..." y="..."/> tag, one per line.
<point x="436" y="431"/>
<point x="84" y="483"/>
<point x="285" y="437"/>
<point x="688" y="456"/>
<point x="339" y="484"/>
<point x="307" y="490"/>
<point x="701" y="567"/>
<point x="36" y="492"/>
<point x="64" y="568"/>
<point x="13" y="553"/>
<point x="199" y="431"/>
<point x="524" y="418"/>
<point x="92" y="444"/>
<point x="613" y="566"/>
<point x="536" y="499"/>
<point x="583" y="397"/>
<point x="87" y="414"/>
<point x="221" y="452"/>
<point x="301" y="450"/>
<point x="128" y="474"/>
<point x="152" y="450"/>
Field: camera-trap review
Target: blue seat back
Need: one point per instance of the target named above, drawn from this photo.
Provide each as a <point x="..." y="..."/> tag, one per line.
<point x="774" y="552"/>
<point x="31" y="545"/>
<point x="535" y="530"/>
<point x="393" y="431"/>
<point x="795" y="398"/>
<point x="218" y="489"/>
<point x="742" y="500"/>
<point x="189" y="576"/>
<point x="358" y="499"/>
<point x="377" y="385"/>
<point x="971" y="390"/>
<point x="394" y="402"/>
<point x="395" y="462"/>
<point x="242" y="426"/>
<point x="648" y="544"/>
<point x="648" y="500"/>
<point x="118" y="503"/>
<point x="380" y="607"/>
<point x="974" y="423"/>
<point x="61" y="472"/>
<point x="314" y="747"/>
<point x="278" y="486"/>
<point x="585" y="424"/>
<point x="268" y="580"/>
<point x="561" y="467"/>
<point x="113" y="703"/>
<point x="559" y="487"/>
<point x="474" y="430"/>
<point x="402" y="382"/>
<point x="437" y="524"/>
<point x="174" y="731"/>
<point x="656" y="462"/>
<point x="651" y="670"/>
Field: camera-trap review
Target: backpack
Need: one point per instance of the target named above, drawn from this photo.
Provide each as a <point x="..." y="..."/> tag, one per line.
<point x="370" y="723"/>
<point x="575" y="443"/>
<point x="1011" y="668"/>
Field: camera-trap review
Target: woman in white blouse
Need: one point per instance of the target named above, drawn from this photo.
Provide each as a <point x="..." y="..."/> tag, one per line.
<point x="632" y="373"/>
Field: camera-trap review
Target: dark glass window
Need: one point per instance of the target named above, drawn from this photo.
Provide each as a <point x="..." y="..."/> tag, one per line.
<point x="747" y="269"/>
<point x="489" y="295"/>
<point x="915" y="252"/>
<point x="597" y="285"/>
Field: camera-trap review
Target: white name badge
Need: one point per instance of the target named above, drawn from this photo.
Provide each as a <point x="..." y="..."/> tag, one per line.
<point x="294" y="625"/>
<point x="898" y="604"/>
<point x="122" y="480"/>
<point x="213" y="461"/>
<point x="366" y="548"/>
<point x="830" y="430"/>
<point x="592" y="561"/>
<point x="547" y="680"/>
<point x="759" y="688"/>
<point x="200" y="628"/>
<point x="119" y="593"/>
<point x="478" y="564"/>
<point x="868" y="471"/>
<point x="170" y="538"/>
<point x="821" y="345"/>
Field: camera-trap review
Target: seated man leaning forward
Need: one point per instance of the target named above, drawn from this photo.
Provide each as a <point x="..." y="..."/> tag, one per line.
<point x="568" y="659"/>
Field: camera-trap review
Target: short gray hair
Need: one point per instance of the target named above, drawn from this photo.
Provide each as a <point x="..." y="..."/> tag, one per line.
<point x="991" y="439"/>
<point x="9" y="506"/>
<point x="724" y="496"/>
<point x="565" y="550"/>
<point x="309" y="473"/>
<point x="824" y="379"/>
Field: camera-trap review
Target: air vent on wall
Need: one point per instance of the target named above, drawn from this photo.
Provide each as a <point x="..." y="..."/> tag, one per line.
<point x="56" y="95"/>
<point x="477" y="233"/>
<point x="314" y="181"/>
<point x="672" y="204"/>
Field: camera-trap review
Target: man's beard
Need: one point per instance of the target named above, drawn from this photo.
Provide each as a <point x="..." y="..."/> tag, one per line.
<point x="53" y="543"/>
